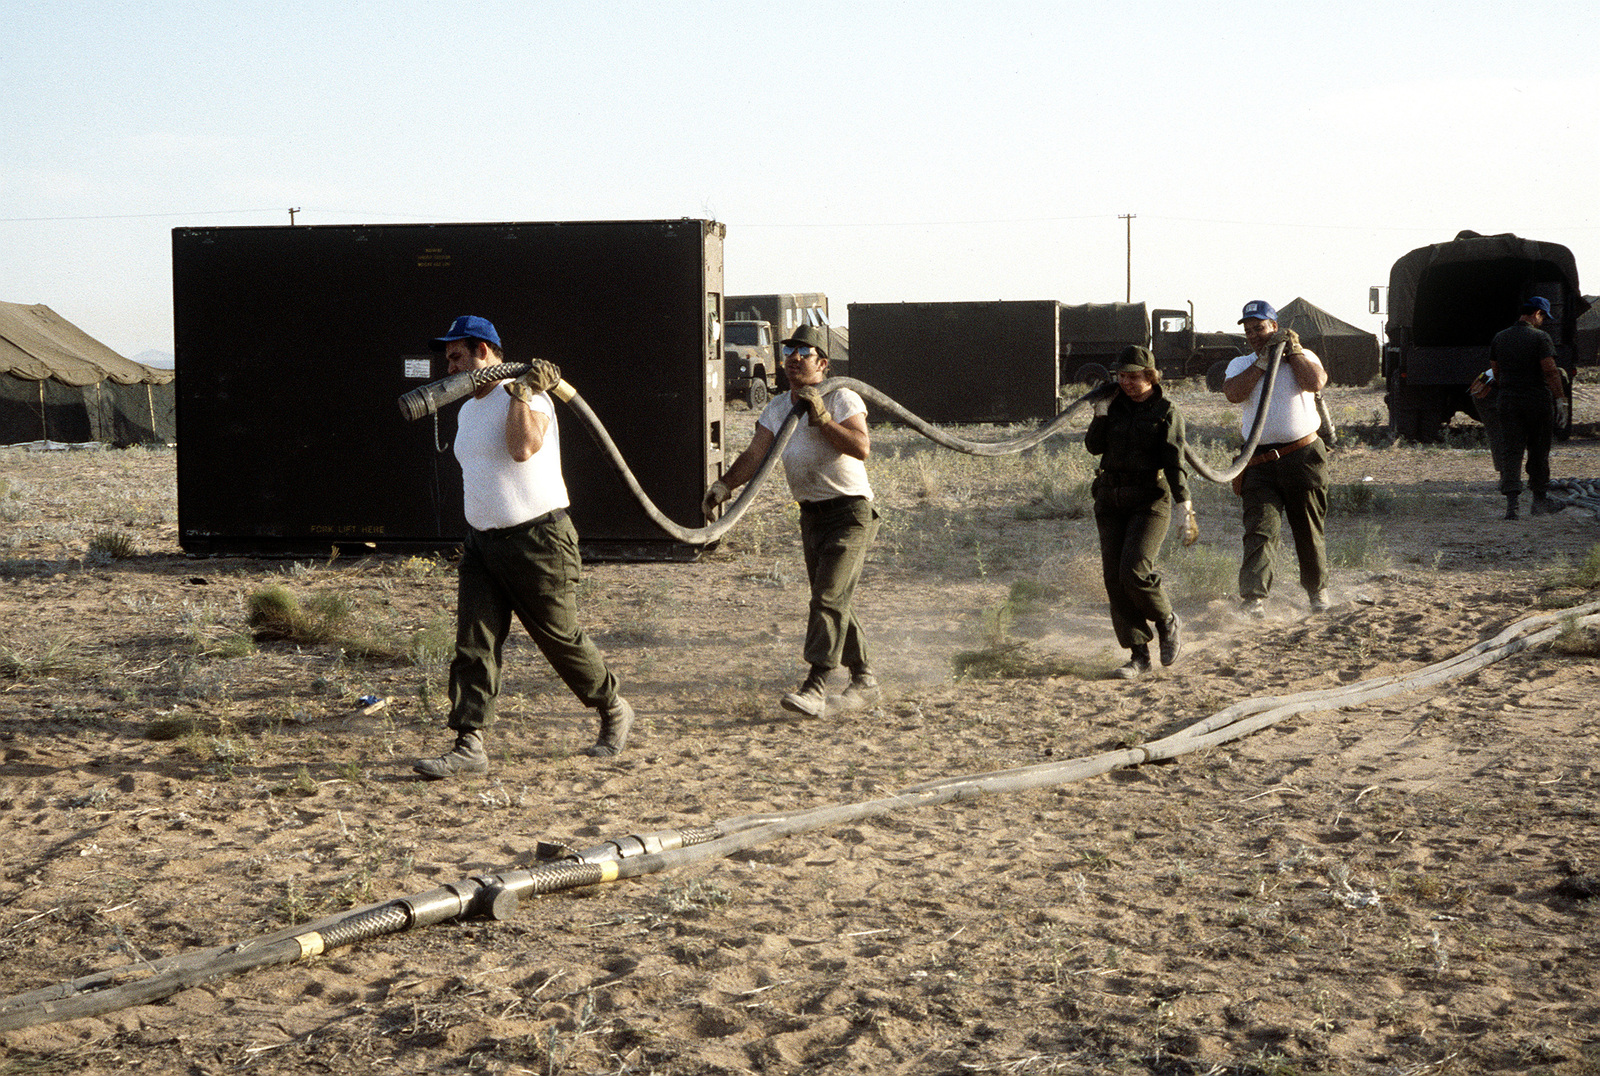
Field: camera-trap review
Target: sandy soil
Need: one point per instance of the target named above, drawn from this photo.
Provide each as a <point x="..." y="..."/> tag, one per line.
<point x="1399" y="887"/>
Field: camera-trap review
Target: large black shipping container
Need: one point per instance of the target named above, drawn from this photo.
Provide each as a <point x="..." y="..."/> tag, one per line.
<point x="294" y="343"/>
<point x="961" y="362"/>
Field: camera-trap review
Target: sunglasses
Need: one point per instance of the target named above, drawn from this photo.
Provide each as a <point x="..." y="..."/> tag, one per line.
<point x="804" y="352"/>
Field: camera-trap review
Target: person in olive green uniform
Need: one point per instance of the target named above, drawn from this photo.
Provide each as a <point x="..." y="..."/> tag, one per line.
<point x="1138" y="434"/>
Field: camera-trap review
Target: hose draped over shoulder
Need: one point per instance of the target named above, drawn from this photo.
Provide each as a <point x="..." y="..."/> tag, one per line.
<point x="429" y="398"/>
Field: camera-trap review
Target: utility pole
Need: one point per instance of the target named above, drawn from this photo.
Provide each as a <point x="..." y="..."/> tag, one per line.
<point x="1129" y="218"/>
<point x="292" y="212"/>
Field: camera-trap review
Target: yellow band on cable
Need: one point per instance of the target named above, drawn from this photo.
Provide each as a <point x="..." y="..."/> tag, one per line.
<point x="310" y="945"/>
<point x="563" y="391"/>
<point x="609" y="871"/>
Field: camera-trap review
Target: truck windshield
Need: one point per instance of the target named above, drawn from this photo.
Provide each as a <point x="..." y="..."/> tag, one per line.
<point x="743" y="334"/>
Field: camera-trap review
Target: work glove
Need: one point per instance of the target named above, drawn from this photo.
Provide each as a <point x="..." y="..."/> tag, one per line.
<point x="1101" y="399"/>
<point x="1188" y="524"/>
<point x="1291" y="343"/>
<point x="1563" y="412"/>
<point x="1264" y="361"/>
<point x="543" y="376"/>
<point x="717" y="496"/>
<point x="808" y="397"/>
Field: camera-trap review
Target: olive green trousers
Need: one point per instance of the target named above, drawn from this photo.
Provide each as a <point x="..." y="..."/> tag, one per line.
<point x="531" y="571"/>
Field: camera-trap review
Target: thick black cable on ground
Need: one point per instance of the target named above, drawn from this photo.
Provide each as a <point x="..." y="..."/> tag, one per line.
<point x="426" y="400"/>
<point x="497" y="895"/>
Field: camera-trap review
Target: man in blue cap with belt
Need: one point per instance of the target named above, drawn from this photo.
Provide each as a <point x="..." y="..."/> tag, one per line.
<point x="1523" y="358"/>
<point x="1288" y="475"/>
<point x="520" y="555"/>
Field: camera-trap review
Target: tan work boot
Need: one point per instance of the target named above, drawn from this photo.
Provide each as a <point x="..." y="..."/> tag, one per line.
<point x="615" y="721"/>
<point x="467" y="756"/>
<point x="862" y="692"/>
<point x="811" y="697"/>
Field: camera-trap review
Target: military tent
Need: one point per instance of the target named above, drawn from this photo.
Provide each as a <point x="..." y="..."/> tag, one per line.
<point x="1586" y="334"/>
<point x="1350" y="355"/>
<point x="58" y="383"/>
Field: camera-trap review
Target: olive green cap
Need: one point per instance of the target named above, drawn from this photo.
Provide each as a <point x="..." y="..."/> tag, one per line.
<point x="810" y="336"/>
<point x="1134" y="359"/>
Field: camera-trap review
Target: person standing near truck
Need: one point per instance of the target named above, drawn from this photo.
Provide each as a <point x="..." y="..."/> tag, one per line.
<point x="520" y="555"/>
<point x="1523" y="361"/>
<point x="825" y="463"/>
<point x="1287" y="478"/>
<point x="1138" y="433"/>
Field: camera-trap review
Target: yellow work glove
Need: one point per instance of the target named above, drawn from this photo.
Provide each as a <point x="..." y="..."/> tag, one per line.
<point x="543" y="377"/>
<point x="1188" y="523"/>
<point x="715" y="498"/>
<point x="808" y="397"/>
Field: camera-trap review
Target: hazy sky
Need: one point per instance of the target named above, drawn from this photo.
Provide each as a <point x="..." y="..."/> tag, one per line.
<point x="875" y="151"/>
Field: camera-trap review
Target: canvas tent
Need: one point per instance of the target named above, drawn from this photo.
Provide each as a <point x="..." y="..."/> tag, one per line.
<point x="1586" y="334"/>
<point x="58" y="383"/>
<point x="1350" y="355"/>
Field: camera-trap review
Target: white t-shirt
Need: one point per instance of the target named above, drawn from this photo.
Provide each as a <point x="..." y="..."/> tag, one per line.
<point x="815" y="469"/>
<point x="497" y="490"/>
<point x="1294" y="411"/>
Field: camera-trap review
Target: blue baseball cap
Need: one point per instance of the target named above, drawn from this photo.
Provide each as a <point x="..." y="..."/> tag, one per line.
<point x="1258" y="308"/>
<point x="1537" y="302"/>
<point x="467" y="327"/>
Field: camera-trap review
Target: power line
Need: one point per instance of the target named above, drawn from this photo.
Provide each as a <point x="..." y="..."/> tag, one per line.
<point x="138" y="216"/>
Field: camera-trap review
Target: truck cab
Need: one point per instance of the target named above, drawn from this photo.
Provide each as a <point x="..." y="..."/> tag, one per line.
<point x="749" y="361"/>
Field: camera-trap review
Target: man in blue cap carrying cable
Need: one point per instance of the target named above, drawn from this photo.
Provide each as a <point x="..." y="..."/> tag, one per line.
<point x="1287" y="478"/>
<point x="520" y="556"/>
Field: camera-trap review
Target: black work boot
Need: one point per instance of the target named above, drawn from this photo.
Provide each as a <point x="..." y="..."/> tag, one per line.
<point x="862" y="692"/>
<point x="1138" y="664"/>
<point x="467" y="756"/>
<point x="615" y="721"/>
<point x="1544" y="506"/>
<point x="811" y="697"/>
<point x="1170" y="632"/>
<point x="1511" y="505"/>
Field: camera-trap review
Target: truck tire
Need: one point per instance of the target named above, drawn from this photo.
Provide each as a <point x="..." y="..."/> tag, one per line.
<point x="756" y="394"/>
<point x="1414" y="413"/>
<point x="1216" y="375"/>
<point x="1092" y="373"/>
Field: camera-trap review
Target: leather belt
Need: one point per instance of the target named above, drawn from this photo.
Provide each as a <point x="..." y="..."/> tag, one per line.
<point x="1281" y="451"/>
<point x="829" y="504"/>
<point x="1129" y="478"/>
<point x="536" y="521"/>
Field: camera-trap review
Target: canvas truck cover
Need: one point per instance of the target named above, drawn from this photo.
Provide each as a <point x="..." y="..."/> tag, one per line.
<point x="1094" y="334"/>
<point x="1106" y="323"/>
<point x="1457" y="295"/>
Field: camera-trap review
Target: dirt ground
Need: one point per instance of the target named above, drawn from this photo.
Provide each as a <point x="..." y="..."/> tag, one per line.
<point x="1398" y="887"/>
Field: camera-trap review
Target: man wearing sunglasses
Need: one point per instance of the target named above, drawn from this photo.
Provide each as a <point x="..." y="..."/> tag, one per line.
<point x="825" y="464"/>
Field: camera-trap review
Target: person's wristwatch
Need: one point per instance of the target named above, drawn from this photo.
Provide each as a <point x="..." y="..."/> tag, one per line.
<point x="519" y="391"/>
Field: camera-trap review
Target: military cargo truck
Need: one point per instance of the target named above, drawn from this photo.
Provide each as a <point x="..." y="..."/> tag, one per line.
<point x="1447" y="301"/>
<point x="785" y="313"/>
<point x="750" y="361"/>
